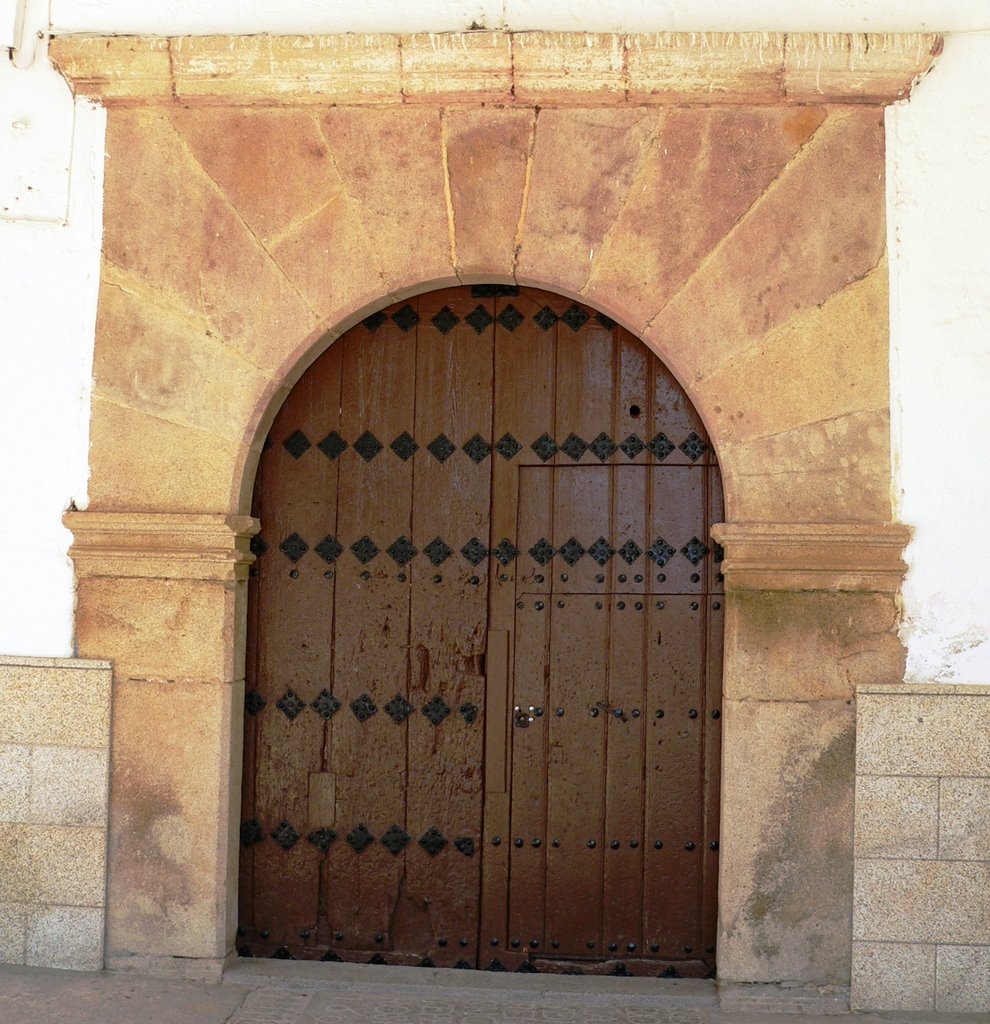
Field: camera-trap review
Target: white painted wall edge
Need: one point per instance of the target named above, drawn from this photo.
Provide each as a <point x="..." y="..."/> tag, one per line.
<point x="939" y="224"/>
<point x="246" y="17"/>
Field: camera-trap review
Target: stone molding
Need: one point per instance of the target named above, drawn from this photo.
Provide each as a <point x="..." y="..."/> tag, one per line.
<point x="146" y="545"/>
<point x="502" y="68"/>
<point x="813" y="556"/>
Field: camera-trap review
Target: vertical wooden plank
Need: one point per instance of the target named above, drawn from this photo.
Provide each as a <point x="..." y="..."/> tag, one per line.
<point x="578" y="681"/>
<point x="624" y="775"/>
<point x="438" y="909"/>
<point x="523" y="412"/>
<point x="674" y="809"/>
<point x="496" y="710"/>
<point x="296" y="502"/>
<point x="371" y="628"/>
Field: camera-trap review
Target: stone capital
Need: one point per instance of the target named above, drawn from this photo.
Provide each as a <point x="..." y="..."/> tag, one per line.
<point x="146" y="545"/>
<point x="502" y="68"/>
<point x="812" y="556"/>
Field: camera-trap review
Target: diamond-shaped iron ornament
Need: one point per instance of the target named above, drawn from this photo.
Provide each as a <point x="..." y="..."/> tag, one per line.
<point x="544" y="446"/>
<point x="469" y="712"/>
<point x="693" y="447"/>
<point x="606" y="321"/>
<point x="404" y="446"/>
<point x="375" y="321"/>
<point x="402" y="551"/>
<point x="406" y="318"/>
<point x="479" y="319"/>
<point x="632" y="446"/>
<point x="326" y="705"/>
<point x="504" y="551"/>
<point x="285" y="835"/>
<point x="253" y="702"/>
<point x="546" y="318"/>
<point x="575" y="318"/>
<point x="542" y="551"/>
<point x="493" y="291"/>
<point x="394" y="839"/>
<point x="630" y="551"/>
<point x="258" y="546"/>
<point x="441" y="447"/>
<point x="694" y="551"/>
<point x="465" y="845"/>
<point x="433" y="841"/>
<point x="572" y="551"/>
<point x="251" y="832"/>
<point x="477" y="449"/>
<point x="321" y="838"/>
<point x="718" y="553"/>
<point x="435" y="709"/>
<point x="359" y="839"/>
<point x="290" y="704"/>
<point x="398" y="709"/>
<point x="510" y="318"/>
<point x="378" y="960"/>
<point x="333" y="445"/>
<point x="474" y="551"/>
<point x="329" y="549"/>
<point x="496" y="966"/>
<point x="446" y="320"/>
<point x="660" y="552"/>
<point x="363" y="707"/>
<point x="293" y="547"/>
<point x="574" y="446"/>
<point x="297" y="444"/>
<point x="661" y="446"/>
<point x="365" y="549"/>
<point x="527" y="967"/>
<point x="602" y="447"/>
<point x="437" y="551"/>
<point x="367" y="446"/>
<point x="601" y="551"/>
<point x="507" y="446"/>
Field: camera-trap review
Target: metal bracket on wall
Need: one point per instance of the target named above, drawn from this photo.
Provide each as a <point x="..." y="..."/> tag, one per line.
<point x="30" y="30"/>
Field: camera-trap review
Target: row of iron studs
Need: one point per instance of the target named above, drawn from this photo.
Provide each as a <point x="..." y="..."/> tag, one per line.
<point x="326" y="705"/>
<point x="478" y="449"/>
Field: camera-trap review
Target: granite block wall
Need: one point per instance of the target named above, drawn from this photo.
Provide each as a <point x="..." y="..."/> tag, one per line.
<point x="921" y="917"/>
<point x="54" y="763"/>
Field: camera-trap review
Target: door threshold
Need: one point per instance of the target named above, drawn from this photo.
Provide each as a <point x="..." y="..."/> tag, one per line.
<point x="346" y="977"/>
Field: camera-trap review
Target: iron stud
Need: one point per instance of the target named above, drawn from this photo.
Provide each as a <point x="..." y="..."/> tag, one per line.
<point x="538" y="577"/>
<point x="716" y="714"/>
<point x="621" y="605"/>
<point x="242" y="932"/>
<point x="366" y="575"/>
<point x="563" y="577"/>
<point x="600" y="578"/>
<point x="560" y="604"/>
<point x="379" y="937"/>
<point x="618" y="713"/>
<point x="515" y="943"/>
<point x="539" y="606"/>
<point x="639" y="606"/>
<point x="520" y="604"/>
<point x="533" y="943"/>
<point x="594" y="712"/>
<point x="613" y="946"/>
<point x="438" y="578"/>
<point x="636" y="712"/>
<point x="654" y="948"/>
<point x="294" y="573"/>
<point x="559" y="712"/>
<point x="689" y="845"/>
<point x="638" y="578"/>
<point x="615" y="844"/>
<point x="658" y="844"/>
<point x="496" y="840"/>
<point x="695" y="578"/>
<point x="592" y="844"/>
<point x="590" y="945"/>
<point x="463" y="942"/>
<point x="694" y="606"/>
<point x="713" y="845"/>
<point x="716" y="605"/>
<point x="494" y="942"/>
<point x="555" y="944"/>
<point x="265" y="933"/>
<point x="710" y="950"/>
<point x="441" y="942"/>
<point x="661" y="577"/>
<point x="474" y="581"/>
<point x="631" y="947"/>
<point x="622" y="577"/>
<point x="402" y="577"/>
<point x="339" y="936"/>
<point x="555" y="843"/>
<point x="537" y="843"/>
<point x="661" y="604"/>
<point x="660" y="714"/>
<point x="517" y="842"/>
<point x="693" y="713"/>
<point x="328" y="574"/>
<point x="598" y="605"/>
<point x="689" y="949"/>
<point x="633" y="843"/>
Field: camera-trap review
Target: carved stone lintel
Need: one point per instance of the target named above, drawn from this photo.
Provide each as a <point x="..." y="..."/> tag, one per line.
<point x="146" y="545"/>
<point x="813" y="556"/>
<point x="511" y="69"/>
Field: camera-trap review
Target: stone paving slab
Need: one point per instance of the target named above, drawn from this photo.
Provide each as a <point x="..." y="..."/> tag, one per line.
<point x="345" y="996"/>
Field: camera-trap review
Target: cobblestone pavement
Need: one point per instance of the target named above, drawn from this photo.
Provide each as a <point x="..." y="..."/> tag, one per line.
<point x="296" y="994"/>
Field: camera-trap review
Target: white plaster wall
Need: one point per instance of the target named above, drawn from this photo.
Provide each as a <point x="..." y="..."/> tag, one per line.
<point x="939" y="214"/>
<point x="48" y="286"/>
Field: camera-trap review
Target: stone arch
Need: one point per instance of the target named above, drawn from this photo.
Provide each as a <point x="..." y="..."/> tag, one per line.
<point x="245" y="229"/>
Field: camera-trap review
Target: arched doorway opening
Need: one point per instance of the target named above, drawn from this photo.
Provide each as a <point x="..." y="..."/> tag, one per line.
<point x="484" y="652"/>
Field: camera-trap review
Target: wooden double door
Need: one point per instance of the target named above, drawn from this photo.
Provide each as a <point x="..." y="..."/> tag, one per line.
<point x="484" y="660"/>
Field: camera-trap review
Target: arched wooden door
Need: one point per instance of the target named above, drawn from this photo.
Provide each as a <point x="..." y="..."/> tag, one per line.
<point x="484" y="657"/>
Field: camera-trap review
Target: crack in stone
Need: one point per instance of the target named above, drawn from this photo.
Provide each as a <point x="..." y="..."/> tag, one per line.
<point x="221" y="192"/>
<point x="448" y="196"/>
<point x="713" y="253"/>
<point x="527" y="182"/>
